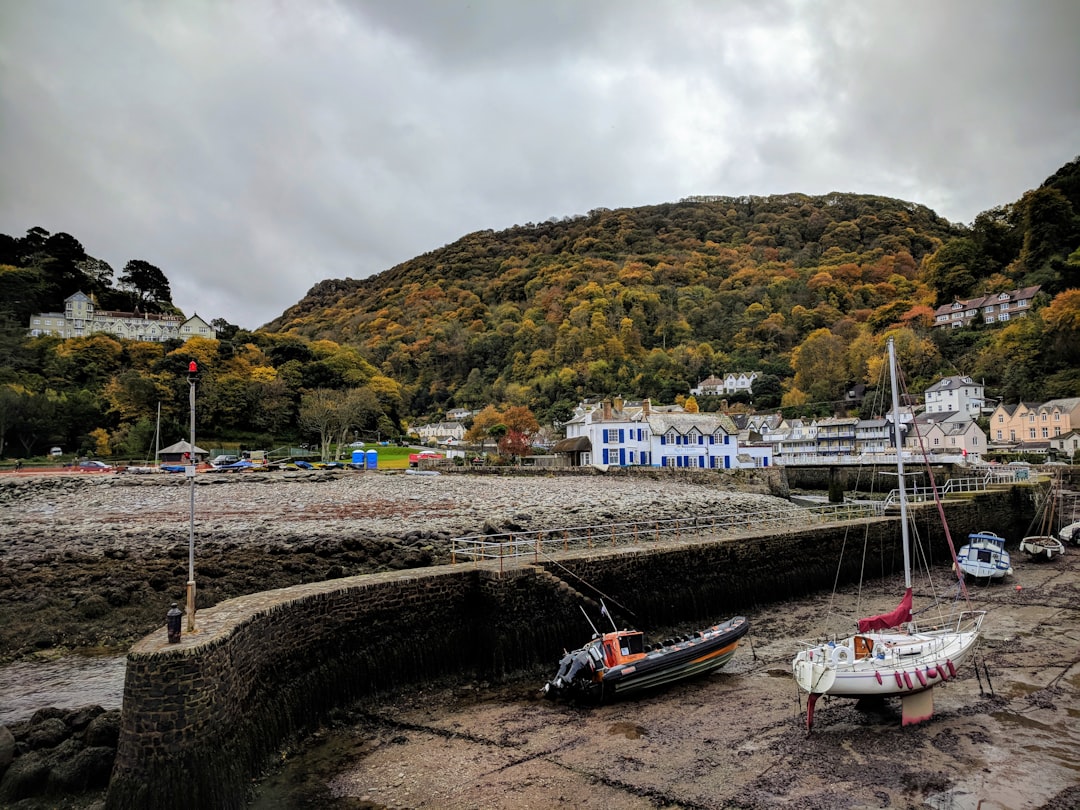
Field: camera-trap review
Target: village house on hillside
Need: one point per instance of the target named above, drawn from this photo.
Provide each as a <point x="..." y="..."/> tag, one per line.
<point x="1030" y="427"/>
<point x="618" y="434"/>
<point x="994" y="308"/>
<point x="81" y="318"/>
<point x="955" y="395"/>
<point x="951" y="433"/>
<point x="441" y="432"/>
<point x="711" y="386"/>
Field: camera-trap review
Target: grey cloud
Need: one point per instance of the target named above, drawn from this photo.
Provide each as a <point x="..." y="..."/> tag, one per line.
<point x="251" y="150"/>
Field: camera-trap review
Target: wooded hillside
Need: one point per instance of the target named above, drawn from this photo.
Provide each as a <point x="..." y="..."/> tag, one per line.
<point x="639" y="302"/>
<point x="645" y="302"/>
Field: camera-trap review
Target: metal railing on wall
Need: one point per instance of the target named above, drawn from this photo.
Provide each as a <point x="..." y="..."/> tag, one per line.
<point x="517" y="547"/>
<point x="955" y="486"/>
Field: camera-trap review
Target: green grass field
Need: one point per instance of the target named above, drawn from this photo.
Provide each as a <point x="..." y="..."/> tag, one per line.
<point x="390" y="458"/>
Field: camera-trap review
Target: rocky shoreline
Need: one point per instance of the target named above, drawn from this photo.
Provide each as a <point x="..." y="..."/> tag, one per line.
<point x="90" y="561"/>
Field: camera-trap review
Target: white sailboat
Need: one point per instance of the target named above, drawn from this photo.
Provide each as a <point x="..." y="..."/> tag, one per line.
<point x="889" y="655"/>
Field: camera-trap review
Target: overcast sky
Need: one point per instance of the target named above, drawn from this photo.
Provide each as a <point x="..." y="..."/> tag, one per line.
<point x="251" y="149"/>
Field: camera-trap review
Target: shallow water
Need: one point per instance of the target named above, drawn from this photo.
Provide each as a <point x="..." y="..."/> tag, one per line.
<point x="66" y="683"/>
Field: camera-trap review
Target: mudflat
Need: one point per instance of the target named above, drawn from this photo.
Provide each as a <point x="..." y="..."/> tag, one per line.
<point x="1004" y="733"/>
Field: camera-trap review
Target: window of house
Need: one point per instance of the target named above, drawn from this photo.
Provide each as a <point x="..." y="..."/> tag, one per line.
<point x="1031" y="433"/>
<point x="1004" y="305"/>
<point x="1012" y="435"/>
<point x="989" y="318"/>
<point x="1057" y="416"/>
<point x="1004" y="316"/>
<point x="1001" y="419"/>
<point x="1046" y="433"/>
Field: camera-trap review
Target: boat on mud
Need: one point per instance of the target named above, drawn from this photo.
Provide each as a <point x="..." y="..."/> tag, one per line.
<point x="1070" y="533"/>
<point x="890" y="654"/>
<point x="1041" y="546"/>
<point x="619" y="663"/>
<point x="984" y="557"/>
<point x="1042" y="543"/>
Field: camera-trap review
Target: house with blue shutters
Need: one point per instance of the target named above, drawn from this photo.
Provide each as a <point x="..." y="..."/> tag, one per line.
<point x="618" y="434"/>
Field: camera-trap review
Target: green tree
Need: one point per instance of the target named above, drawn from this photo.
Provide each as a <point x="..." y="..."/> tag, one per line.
<point x="820" y="366"/>
<point x="320" y="413"/>
<point x="953" y="270"/>
<point x="147" y="285"/>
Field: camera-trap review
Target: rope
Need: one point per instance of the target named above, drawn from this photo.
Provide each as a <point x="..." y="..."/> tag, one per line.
<point x="590" y="586"/>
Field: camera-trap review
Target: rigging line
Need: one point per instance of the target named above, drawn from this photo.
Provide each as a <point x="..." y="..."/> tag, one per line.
<point x="933" y="486"/>
<point x="589" y="585"/>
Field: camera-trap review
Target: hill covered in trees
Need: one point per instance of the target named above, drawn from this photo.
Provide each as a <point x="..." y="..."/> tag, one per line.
<point x="647" y="301"/>
<point x="637" y="302"/>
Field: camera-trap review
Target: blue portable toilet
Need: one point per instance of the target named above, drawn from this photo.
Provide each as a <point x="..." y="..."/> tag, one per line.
<point x="372" y="459"/>
<point x="358" y="457"/>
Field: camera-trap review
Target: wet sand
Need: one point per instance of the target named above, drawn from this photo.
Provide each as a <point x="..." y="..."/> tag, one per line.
<point x="1005" y="739"/>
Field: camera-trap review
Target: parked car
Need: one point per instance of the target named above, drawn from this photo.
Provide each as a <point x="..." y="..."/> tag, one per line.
<point x="90" y="466"/>
<point x="237" y="466"/>
<point x="221" y="461"/>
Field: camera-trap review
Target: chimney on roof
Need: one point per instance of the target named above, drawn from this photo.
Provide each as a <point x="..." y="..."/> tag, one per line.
<point x="646" y="408"/>
<point x="607" y="410"/>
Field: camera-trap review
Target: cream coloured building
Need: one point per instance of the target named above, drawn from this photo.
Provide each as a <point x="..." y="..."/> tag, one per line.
<point x="82" y="318"/>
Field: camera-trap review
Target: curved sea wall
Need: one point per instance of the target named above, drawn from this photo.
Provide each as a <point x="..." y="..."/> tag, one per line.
<point x="202" y="718"/>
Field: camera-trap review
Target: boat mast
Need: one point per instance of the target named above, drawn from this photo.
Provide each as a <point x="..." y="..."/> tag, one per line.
<point x="898" y="440"/>
<point x="157" y="435"/>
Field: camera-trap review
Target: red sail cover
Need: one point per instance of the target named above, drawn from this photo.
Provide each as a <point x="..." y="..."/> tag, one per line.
<point x="884" y="621"/>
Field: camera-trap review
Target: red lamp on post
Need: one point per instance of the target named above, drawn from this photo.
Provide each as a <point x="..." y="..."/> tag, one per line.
<point x="193" y="373"/>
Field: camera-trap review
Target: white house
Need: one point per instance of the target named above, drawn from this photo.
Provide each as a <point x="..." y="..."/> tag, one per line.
<point x="441" y="432"/>
<point x="732" y="383"/>
<point x="1067" y="444"/>
<point x="955" y="395"/>
<point x="950" y="434"/>
<point x="81" y="318"/>
<point x="613" y="434"/>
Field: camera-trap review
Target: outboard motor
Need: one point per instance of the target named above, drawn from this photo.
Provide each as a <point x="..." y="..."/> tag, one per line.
<point x="570" y="665"/>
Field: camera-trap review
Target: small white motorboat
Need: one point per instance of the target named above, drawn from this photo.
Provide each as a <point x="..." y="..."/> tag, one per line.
<point x="984" y="557"/>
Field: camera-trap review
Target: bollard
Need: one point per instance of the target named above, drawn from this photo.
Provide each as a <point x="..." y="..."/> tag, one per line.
<point x="172" y="623"/>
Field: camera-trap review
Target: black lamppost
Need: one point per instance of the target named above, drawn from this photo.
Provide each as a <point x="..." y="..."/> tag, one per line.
<point x="193" y="373"/>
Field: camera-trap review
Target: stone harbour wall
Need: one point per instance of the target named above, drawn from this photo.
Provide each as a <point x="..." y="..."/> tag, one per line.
<point x="202" y="718"/>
